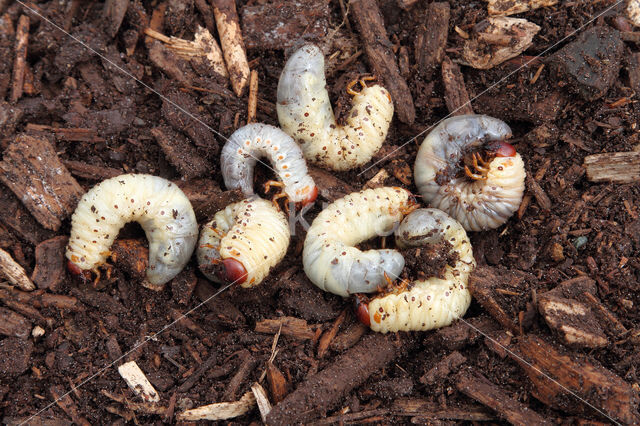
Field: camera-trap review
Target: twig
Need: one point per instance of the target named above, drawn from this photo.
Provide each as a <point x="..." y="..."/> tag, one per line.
<point x="232" y="43"/>
<point x="253" y="97"/>
<point x="22" y="40"/>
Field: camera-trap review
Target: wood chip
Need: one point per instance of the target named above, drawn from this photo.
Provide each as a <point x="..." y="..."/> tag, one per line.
<point x="180" y="153"/>
<point x="443" y="368"/>
<point x="48" y="190"/>
<point x="541" y="197"/>
<point x="512" y="7"/>
<point x="50" y="269"/>
<point x="138" y="382"/>
<point x="554" y="374"/>
<point x="377" y="180"/>
<point x="20" y="61"/>
<point x="499" y="39"/>
<point x="91" y="172"/>
<point x="261" y="399"/>
<point x="633" y="11"/>
<point x="614" y="167"/>
<point x="423" y="410"/>
<point x="14" y="272"/>
<point x="482" y="390"/>
<point x="232" y="44"/>
<point x="14" y="324"/>
<point x="252" y="104"/>
<point x="220" y="411"/>
<point x="328" y="336"/>
<point x="455" y="91"/>
<point x="278" y="385"/>
<point x="291" y="326"/>
<point x="68" y="405"/>
<point x="432" y="38"/>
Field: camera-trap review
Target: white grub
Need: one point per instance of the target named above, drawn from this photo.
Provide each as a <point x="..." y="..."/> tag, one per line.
<point x="159" y="206"/>
<point x="261" y="399"/>
<point x="633" y="11"/>
<point x="138" y="382"/>
<point x="497" y="39"/>
<point x="257" y="140"/>
<point x="477" y="204"/>
<point x="202" y="46"/>
<point x="429" y="303"/>
<point x="330" y="258"/>
<point x="511" y="7"/>
<point x="304" y="112"/>
<point x="14" y="272"/>
<point x="243" y="242"/>
<point x="219" y="411"/>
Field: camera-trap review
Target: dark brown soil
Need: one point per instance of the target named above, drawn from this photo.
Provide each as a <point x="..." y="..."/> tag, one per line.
<point x="580" y="229"/>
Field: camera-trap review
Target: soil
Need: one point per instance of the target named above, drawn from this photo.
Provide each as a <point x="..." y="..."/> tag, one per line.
<point x="580" y="229"/>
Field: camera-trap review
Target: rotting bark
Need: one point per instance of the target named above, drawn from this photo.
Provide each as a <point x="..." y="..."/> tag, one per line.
<point x="614" y="167"/>
<point x="49" y="271"/>
<point x="455" y="91"/>
<point x="20" y="61"/>
<point x="180" y="153"/>
<point x="15" y="273"/>
<point x="432" y="38"/>
<point x="326" y="389"/>
<point x="48" y="190"/>
<point x="381" y="58"/>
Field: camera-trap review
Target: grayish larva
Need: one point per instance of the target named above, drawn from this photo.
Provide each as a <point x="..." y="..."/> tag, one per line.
<point x="486" y="200"/>
<point x="243" y="242"/>
<point x="159" y="206"/>
<point x="254" y="141"/>
<point x="330" y="258"/>
<point x="305" y="113"/>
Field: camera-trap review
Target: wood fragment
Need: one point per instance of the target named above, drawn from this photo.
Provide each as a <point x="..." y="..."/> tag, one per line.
<point x="219" y="411"/>
<point x="432" y="38"/>
<point x="633" y="12"/>
<point x="50" y="270"/>
<point x="230" y="34"/>
<point x="554" y="374"/>
<point x="202" y="369"/>
<point x="246" y="367"/>
<point x="261" y="400"/>
<point x="330" y="187"/>
<point x="422" y="410"/>
<point x="156" y="22"/>
<point x="497" y="40"/>
<point x="138" y="382"/>
<point x="253" y="97"/>
<point x="68" y="405"/>
<point x="76" y="134"/>
<point x="482" y="390"/>
<point x="91" y="172"/>
<point x="443" y="368"/>
<point x="614" y="167"/>
<point x="381" y="57"/>
<point x="278" y="385"/>
<point x="348" y="372"/>
<point x="288" y="326"/>
<point x="48" y="190"/>
<point x="349" y="337"/>
<point x="512" y="7"/>
<point x="607" y="318"/>
<point x="142" y="407"/>
<point x="541" y="197"/>
<point x="328" y="336"/>
<point x="207" y="198"/>
<point x="455" y="91"/>
<point x="377" y="180"/>
<point x="22" y="40"/>
<point x="113" y="13"/>
<point x="180" y="153"/>
<point x="14" y="324"/>
<point x="481" y="283"/>
<point x="14" y="272"/>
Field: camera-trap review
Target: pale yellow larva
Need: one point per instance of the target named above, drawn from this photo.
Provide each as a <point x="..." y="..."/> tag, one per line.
<point x="330" y="258"/>
<point x="304" y="112"/>
<point x="434" y="302"/>
<point x="159" y="206"/>
<point x="243" y="242"/>
<point x="477" y="204"/>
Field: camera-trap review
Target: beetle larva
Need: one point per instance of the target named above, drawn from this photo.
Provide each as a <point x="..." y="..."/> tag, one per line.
<point x="305" y="113"/>
<point x="243" y="242"/>
<point x="479" y="201"/>
<point x="434" y="302"/>
<point x="159" y="206"/>
<point x="329" y="257"/>
<point x="257" y="140"/>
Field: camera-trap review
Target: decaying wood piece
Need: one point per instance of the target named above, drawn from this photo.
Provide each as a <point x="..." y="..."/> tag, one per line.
<point x="50" y="271"/>
<point x="252" y="104"/>
<point x="446" y="365"/>
<point x="482" y="390"/>
<point x="423" y="410"/>
<point x="432" y="38"/>
<point x="68" y="405"/>
<point x="381" y="58"/>
<point x="89" y="171"/>
<point x="16" y="217"/>
<point x="614" y="167"/>
<point x="203" y="46"/>
<point x="67" y="134"/>
<point x="330" y="187"/>
<point x="207" y="198"/>
<point x="288" y="326"/>
<point x="633" y="11"/>
<point x="14" y="272"/>
<point x="455" y="91"/>
<point x="512" y="7"/>
<point x="180" y="152"/>
<point x="377" y="180"/>
<point x="261" y="399"/>
<point x="578" y="374"/>
<point x="14" y="324"/>
<point x="232" y="44"/>
<point x="138" y="382"/>
<point x="48" y="190"/>
<point x="481" y="284"/>
<point x="278" y="385"/>
<point x="156" y="22"/>
<point x="113" y="13"/>
<point x="541" y="197"/>
<point x="219" y="411"/>
<point x="497" y="39"/>
<point x="328" y="336"/>
<point x="246" y="367"/>
<point x="348" y="372"/>
<point x="20" y="61"/>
